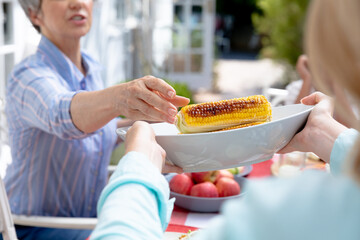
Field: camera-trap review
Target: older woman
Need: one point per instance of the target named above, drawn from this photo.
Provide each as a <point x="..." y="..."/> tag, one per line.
<point x="315" y="205"/>
<point x="62" y="122"/>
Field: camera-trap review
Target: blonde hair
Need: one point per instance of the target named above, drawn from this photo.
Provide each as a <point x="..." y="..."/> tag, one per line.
<point x="332" y="42"/>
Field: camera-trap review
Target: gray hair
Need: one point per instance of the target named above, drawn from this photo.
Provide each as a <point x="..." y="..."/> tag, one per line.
<point x="33" y="5"/>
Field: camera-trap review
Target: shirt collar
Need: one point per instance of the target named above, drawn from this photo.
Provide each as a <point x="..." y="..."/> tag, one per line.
<point x="91" y="66"/>
<point x="62" y="64"/>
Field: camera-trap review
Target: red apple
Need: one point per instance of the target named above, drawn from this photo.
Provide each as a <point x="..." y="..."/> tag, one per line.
<point x="181" y="183"/>
<point x="188" y="174"/>
<point x="227" y="187"/>
<point x="223" y="173"/>
<point x="205" y="189"/>
<point x="200" y="177"/>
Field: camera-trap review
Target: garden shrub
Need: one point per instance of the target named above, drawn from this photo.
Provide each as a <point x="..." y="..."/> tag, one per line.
<point x="280" y="24"/>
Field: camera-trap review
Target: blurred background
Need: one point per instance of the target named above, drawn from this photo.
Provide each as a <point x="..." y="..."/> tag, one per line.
<point x="207" y="49"/>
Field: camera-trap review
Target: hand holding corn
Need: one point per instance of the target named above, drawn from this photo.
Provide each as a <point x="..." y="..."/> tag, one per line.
<point x="223" y="115"/>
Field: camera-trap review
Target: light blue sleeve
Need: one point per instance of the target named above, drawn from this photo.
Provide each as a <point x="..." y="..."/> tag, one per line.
<point x="342" y="147"/>
<point x="135" y="204"/>
<point x="314" y="205"/>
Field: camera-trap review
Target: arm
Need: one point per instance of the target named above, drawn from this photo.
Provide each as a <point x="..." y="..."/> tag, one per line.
<point x="35" y="96"/>
<point x="147" y="98"/>
<point x="135" y="204"/>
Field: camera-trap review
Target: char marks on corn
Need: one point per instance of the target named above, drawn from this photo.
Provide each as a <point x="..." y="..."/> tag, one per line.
<point x="222" y="107"/>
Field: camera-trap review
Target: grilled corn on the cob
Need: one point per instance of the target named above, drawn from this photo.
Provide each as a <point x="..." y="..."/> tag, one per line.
<point x="241" y="126"/>
<point x="221" y="115"/>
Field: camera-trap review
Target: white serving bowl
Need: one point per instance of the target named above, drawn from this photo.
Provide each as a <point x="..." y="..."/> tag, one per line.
<point x="226" y="149"/>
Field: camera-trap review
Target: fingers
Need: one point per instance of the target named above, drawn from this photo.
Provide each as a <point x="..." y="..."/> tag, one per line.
<point x="314" y="98"/>
<point x="164" y="90"/>
<point x="144" y="103"/>
<point x="323" y="102"/>
<point x="157" y="84"/>
<point x="179" y="101"/>
<point x="141" y="138"/>
<point x="149" y="99"/>
<point x="138" y="136"/>
<point x="142" y="110"/>
<point x="318" y="122"/>
<point x="156" y="101"/>
<point x="171" y="168"/>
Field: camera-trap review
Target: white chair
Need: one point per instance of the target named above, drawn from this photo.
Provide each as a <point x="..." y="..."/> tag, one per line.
<point x="7" y="228"/>
<point x="276" y="96"/>
<point x="55" y="222"/>
<point x="7" y="220"/>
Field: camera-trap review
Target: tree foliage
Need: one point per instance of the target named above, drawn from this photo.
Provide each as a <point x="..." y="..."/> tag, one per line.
<point x="280" y="24"/>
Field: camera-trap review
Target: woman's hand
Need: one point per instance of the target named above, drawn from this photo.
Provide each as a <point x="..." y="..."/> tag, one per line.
<point x="147" y="98"/>
<point x="320" y="131"/>
<point x="141" y="138"/>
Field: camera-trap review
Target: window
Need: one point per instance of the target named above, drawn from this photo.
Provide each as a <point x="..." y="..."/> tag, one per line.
<point x="11" y="48"/>
<point x="189" y="58"/>
<point x="6" y="58"/>
<point x="167" y="38"/>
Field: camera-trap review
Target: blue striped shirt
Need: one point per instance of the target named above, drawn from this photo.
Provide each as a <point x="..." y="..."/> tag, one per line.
<point x="57" y="170"/>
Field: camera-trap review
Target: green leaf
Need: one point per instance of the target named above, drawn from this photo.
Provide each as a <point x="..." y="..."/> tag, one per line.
<point x="281" y="23"/>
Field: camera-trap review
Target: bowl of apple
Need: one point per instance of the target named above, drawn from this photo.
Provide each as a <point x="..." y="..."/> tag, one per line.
<point x="205" y="191"/>
<point x="242" y="171"/>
